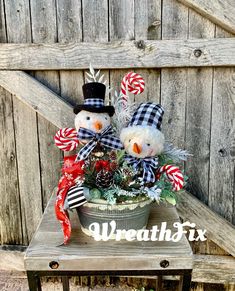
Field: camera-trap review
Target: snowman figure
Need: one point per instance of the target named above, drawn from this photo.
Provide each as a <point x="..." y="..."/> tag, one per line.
<point x="95" y="133"/>
<point x="93" y="122"/>
<point x="143" y="140"/>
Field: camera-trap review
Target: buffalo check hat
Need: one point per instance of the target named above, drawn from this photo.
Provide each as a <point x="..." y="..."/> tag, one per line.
<point x="94" y="95"/>
<point x="148" y="114"/>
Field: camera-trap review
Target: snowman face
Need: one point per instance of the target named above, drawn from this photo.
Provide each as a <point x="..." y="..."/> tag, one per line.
<point x="142" y="141"/>
<point x="95" y="122"/>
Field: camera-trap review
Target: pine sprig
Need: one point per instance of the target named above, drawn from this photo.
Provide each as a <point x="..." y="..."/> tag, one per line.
<point x="175" y="154"/>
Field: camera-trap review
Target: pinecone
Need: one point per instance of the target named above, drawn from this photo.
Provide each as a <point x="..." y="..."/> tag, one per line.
<point x="104" y="179"/>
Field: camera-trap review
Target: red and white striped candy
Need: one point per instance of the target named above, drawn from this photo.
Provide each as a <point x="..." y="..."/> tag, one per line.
<point x="175" y="176"/>
<point x="66" y="139"/>
<point x="132" y="83"/>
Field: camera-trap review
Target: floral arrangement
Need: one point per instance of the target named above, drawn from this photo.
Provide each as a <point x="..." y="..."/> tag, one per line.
<point x="120" y="160"/>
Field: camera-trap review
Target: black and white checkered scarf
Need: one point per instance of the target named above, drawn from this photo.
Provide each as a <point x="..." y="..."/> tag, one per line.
<point x="105" y="138"/>
<point x="146" y="164"/>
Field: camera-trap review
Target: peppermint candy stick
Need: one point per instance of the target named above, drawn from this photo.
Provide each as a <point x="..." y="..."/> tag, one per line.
<point x="66" y="139"/>
<point x="174" y="175"/>
<point x="132" y="83"/>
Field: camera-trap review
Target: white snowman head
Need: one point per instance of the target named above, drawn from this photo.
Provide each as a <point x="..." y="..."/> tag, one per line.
<point x="142" y="137"/>
<point x="93" y="114"/>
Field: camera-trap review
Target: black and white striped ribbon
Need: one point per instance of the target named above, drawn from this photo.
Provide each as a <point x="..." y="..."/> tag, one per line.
<point x="75" y="197"/>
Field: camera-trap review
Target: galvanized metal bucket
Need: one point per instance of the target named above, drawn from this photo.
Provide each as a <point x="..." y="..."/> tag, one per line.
<point x="127" y="216"/>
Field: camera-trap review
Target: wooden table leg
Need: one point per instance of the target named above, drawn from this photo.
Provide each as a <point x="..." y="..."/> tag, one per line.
<point x="34" y="281"/>
<point x="159" y="283"/>
<point x="185" y="282"/>
<point x="65" y="281"/>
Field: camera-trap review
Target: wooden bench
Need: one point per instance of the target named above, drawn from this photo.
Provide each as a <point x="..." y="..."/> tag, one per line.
<point x="84" y="256"/>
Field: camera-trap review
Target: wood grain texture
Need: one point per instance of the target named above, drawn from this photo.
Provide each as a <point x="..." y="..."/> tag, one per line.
<point x="69" y="21"/>
<point x="118" y="54"/>
<point x="147" y="19"/>
<point x="10" y="212"/>
<point x="148" y="26"/>
<point x="37" y="96"/>
<point x="214" y="269"/>
<point x="96" y="27"/>
<point x="121" y="27"/>
<point x="3" y="36"/>
<point x="218" y="229"/>
<point x="198" y="113"/>
<point x="174" y="81"/>
<point x="25" y="122"/>
<point x="84" y="253"/>
<point x="44" y="30"/>
<point x="219" y="12"/>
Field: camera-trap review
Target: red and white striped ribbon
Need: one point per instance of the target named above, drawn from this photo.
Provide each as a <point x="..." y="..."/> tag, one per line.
<point x="133" y="83"/>
<point x="175" y="176"/>
<point x="66" y="139"/>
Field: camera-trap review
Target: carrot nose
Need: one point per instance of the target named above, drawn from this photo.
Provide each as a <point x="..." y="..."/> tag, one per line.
<point x="137" y="148"/>
<point x="98" y="125"/>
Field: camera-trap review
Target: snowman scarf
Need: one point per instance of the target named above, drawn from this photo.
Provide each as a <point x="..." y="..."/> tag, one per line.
<point x="105" y="138"/>
<point x="147" y="164"/>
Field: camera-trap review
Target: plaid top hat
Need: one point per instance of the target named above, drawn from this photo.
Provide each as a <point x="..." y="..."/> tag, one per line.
<point x="94" y="95"/>
<point x="149" y="114"/>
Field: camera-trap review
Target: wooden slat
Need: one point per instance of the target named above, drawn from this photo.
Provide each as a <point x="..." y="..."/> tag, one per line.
<point x="148" y="26"/>
<point x="218" y="229"/>
<point x="174" y="81"/>
<point x="198" y="113"/>
<point x="38" y="97"/>
<point x="117" y="55"/>
<point x="121" y="28"/>
<point x="10" y="217"/>
<point x="213" y="269"/>
<point x="222" y="147"/>
<point x="69" y="21"/>
<point x="44" y="30"/>
<point x="219" y="12"/>
<point x="3" y="36"/>
<point x="25" y="123"/>
<point x="147" y="19"/>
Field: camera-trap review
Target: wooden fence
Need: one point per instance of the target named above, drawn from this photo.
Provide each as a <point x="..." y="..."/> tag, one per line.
<point x="187" y="62"/>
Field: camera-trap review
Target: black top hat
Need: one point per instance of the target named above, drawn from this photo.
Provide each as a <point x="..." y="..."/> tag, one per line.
<point x="94" y="95"/>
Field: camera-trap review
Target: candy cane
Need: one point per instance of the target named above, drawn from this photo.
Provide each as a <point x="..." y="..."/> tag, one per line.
<point x="66" y="139"/>
<point x="132" y="83"/>
<point x="175" y="176"/>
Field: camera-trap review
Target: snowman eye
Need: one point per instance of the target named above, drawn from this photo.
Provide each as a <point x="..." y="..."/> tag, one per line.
<point x="106" y="118"/>
<point x="129" y="140"/>
<point x="148" y="144"/>
<point x="88" y="118"/>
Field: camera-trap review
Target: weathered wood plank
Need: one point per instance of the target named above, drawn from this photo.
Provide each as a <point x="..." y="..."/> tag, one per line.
<point x="10" y="215"/>
<point x="69" y="23"/>
<point x="38" y="97"/>
<point x="3" y="36"/>
<point x="174" y="81"/>
<point x="118" y="55"/>
<point x="148" y="26"/>
<point x="218" y="229"/>
<point x="98" y="32"/>
<point x="147" y="19"/>
<point x="214" y="269"/>
<point x="198" y="113"/>
<point x="44" y="30"/>
<point x="222" y="180"/>
<point x="219" y="12"/>
<point x="121" y="27"/>
<point x="18" y="30"/>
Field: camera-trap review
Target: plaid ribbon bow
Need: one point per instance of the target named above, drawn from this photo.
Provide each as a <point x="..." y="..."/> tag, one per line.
<point x="147" y="164"/>
<point x="105" y="138"/>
